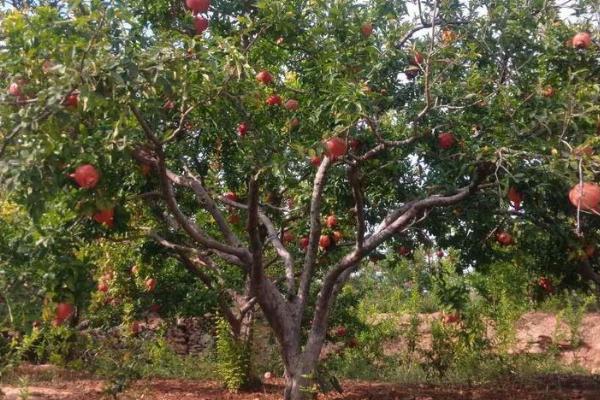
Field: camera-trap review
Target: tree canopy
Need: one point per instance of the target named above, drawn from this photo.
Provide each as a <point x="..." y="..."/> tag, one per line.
<point x="271" y="146"/>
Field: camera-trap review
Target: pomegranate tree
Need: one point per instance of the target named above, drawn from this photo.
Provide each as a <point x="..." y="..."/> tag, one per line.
<point x="396" y="160"/>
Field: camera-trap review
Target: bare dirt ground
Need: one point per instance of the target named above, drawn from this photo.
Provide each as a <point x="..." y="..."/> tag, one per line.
<point x="50" y="383"/>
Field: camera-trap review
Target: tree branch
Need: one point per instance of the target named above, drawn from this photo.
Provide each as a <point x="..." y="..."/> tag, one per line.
<point x="315" y="232"/>
<point x="359" y="202"/>
<point x="285" y="255"/>
<point x="209" y="205"/>
<point x="166" y="176"/>
<point x="335" y="276"/>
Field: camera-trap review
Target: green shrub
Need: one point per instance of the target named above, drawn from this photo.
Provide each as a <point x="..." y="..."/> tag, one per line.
<point x="233" y="358"/>
<point x="56" y="345"/>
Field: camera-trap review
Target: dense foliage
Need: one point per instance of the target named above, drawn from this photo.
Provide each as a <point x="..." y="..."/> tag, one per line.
<point x="292" y="136"/>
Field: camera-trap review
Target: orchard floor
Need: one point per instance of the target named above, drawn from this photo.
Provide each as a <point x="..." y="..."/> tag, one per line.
<point x="50" y="384"/>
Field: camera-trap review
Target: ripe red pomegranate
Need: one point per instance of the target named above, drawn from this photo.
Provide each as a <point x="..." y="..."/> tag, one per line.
<point x="315" y="161"/>
<point x="231" y="196"/>
<point x="504" y="238"/>
<point x="335" y="147"/>
<point x="417" y="59"/>
<point x="200" y="24"/>
<point x="337" y="236"/>
<point x="324" y="241"/>
<point x="515" y="197"/>
<point x="548" y="91"/>
<point x="331" y="221"/>
<point x="15" y="89"/>
<point x="103" y="287"/>
<point x="294" y="123"/>
<point x="288" y="237"/>
<point x="366" y="29"/>
<point x="198" y="6"/>
<point x="273" y="100"/>
<point x="242" y="129"/>
<point x="340" y="331"/>
<point x="303" y="242"/>
<point x="446" y="140"/>
<point x="440" y="253"/>
<point x="150" y="284"/>
<point x="586" y="196"/>
<point x="291" y="105"/>
<point x="403" y="251"/>
<point x="72" y="100"/>
<point x="106" y="217"/>
<point x="86" y="176"/>
<point x="64" y="311"/>
<point x="169" y="105"/>
<point x="582" y="40"/>
<point x="264" y="77"/>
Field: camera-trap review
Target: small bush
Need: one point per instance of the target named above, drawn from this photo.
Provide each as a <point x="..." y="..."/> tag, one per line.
<point x="233" y="358"/>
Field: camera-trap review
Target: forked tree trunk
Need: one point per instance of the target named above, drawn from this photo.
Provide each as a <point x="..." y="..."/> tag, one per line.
<point x="300" y="375"/>
<point x="296" y="386"/>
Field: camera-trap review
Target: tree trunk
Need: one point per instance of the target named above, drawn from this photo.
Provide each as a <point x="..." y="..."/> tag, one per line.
<point x="246" y="337"/>
<point x="297" y="385"/>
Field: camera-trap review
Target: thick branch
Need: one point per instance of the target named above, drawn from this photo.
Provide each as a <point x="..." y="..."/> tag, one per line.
<point x="187" y="224"/>
<point x="285" y="255"/>
<point x="166" y="176"/>
<point x="223" y="301"/>
<point x="282" y="252"/>
<point x="209" y="205"/>
<point x="315" y="231"/>
<point x="359" y="202"/>
<point x="345" y="265"/>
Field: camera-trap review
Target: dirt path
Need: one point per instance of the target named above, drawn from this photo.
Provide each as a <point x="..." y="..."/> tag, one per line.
<point x="541" y="388"/>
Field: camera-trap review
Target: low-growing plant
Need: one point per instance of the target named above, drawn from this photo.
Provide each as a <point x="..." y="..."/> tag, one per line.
<point x="233" y="358"/>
